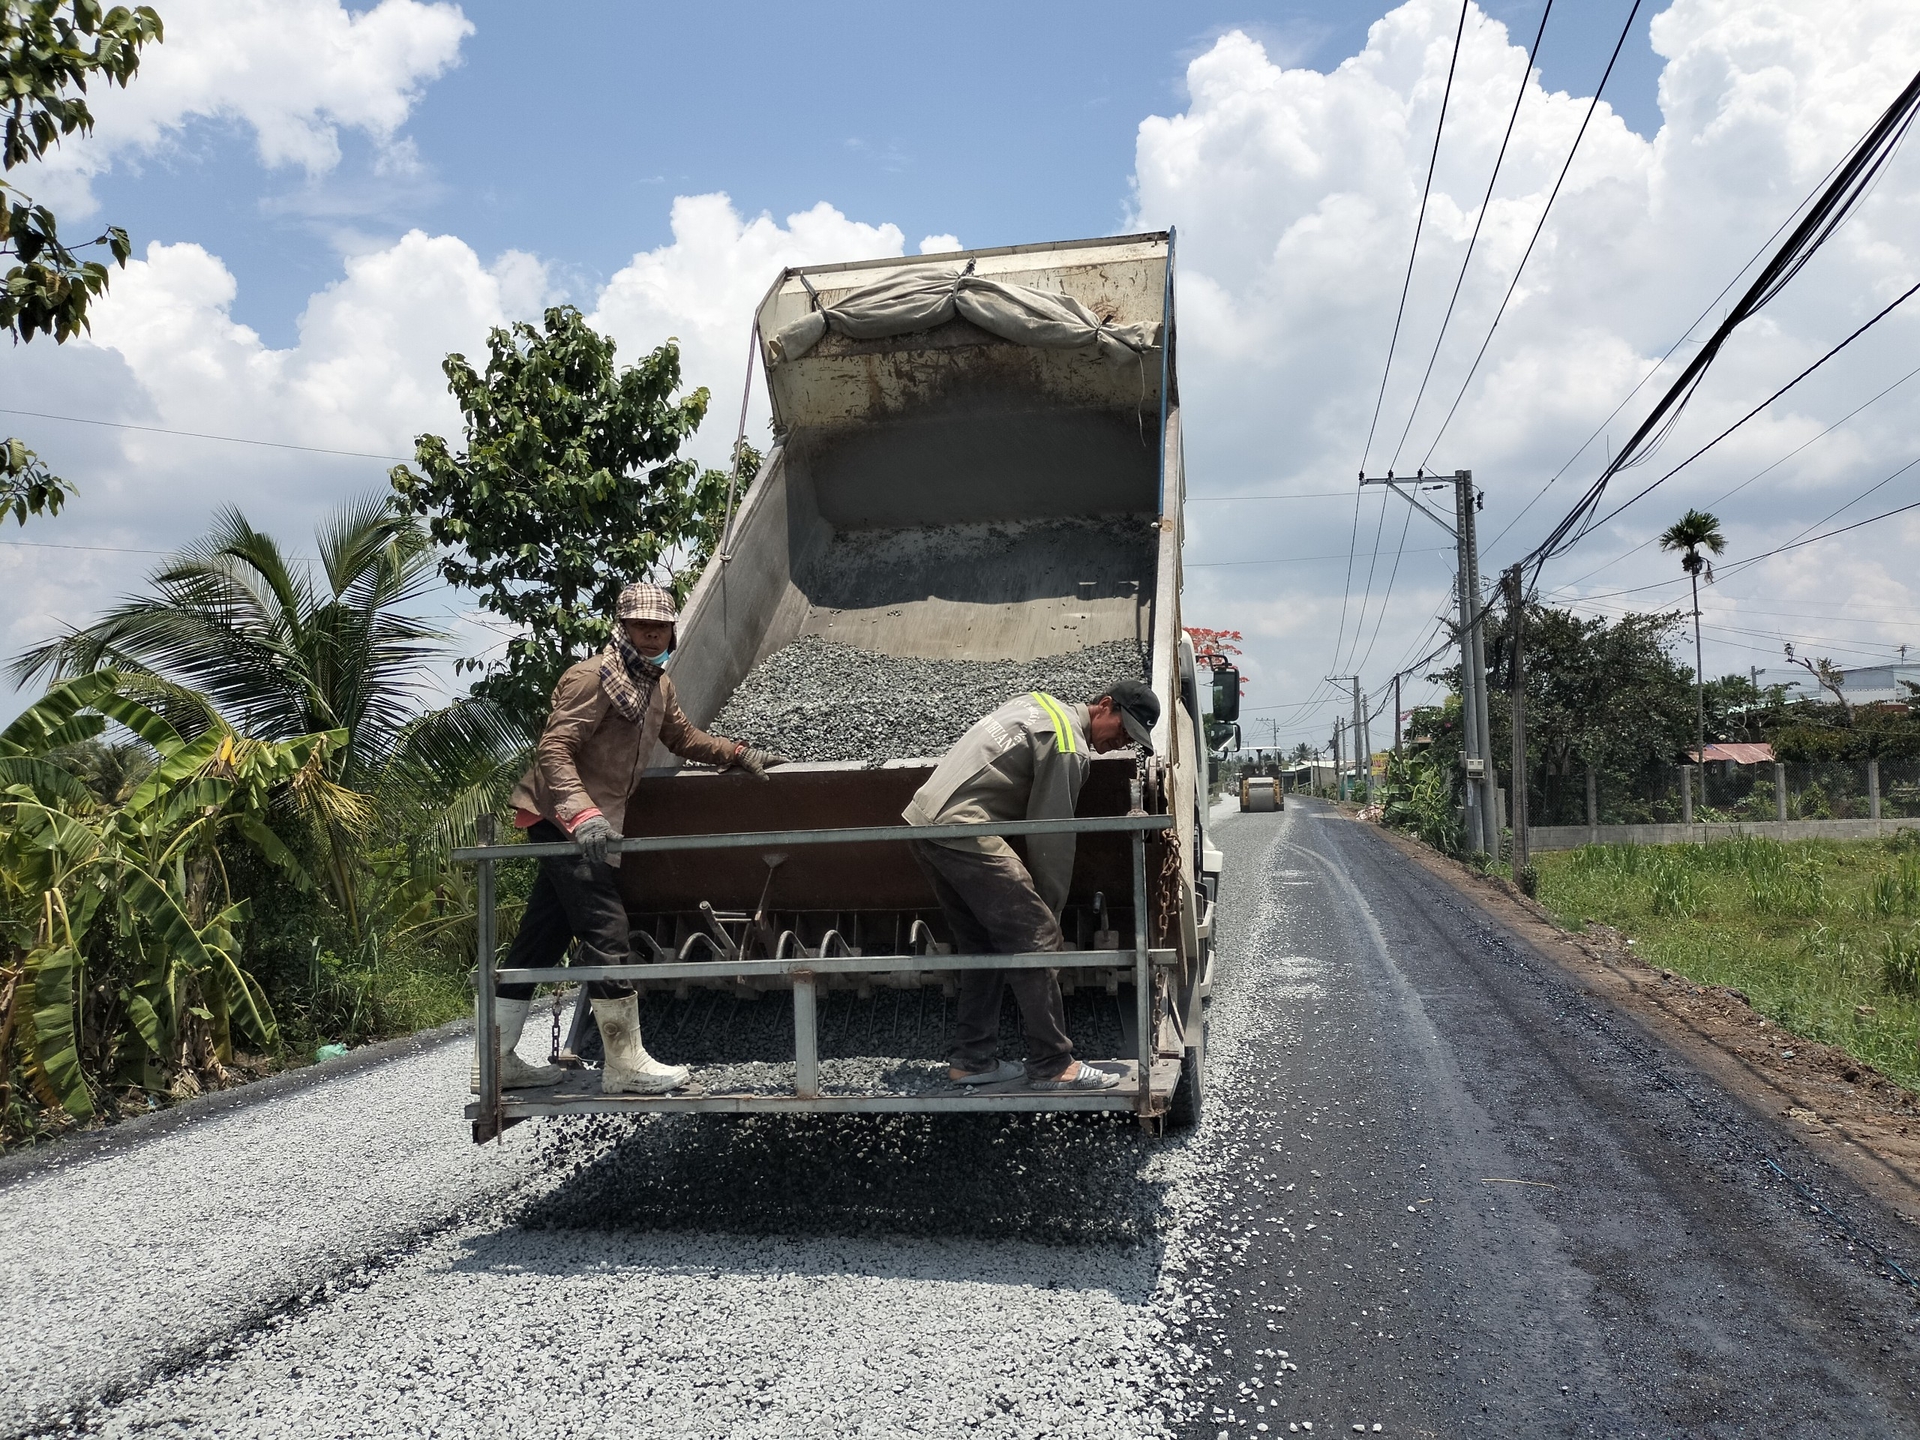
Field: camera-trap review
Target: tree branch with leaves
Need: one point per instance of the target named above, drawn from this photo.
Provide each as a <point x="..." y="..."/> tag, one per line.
<point x="570" y="485"/>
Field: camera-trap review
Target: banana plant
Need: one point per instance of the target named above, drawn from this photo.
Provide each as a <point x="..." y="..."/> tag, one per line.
<point x="122" y="952"/>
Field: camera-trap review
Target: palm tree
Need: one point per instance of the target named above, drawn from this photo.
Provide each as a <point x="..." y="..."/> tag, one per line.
<point x="283" y="648"/>
<point x="1692" y="532"/>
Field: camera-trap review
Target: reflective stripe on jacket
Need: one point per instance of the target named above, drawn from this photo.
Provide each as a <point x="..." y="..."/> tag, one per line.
<point x="1025" y="761"/>
<point x="589" y="758"/>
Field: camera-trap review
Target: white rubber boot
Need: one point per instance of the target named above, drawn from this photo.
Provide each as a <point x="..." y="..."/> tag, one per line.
<point x="629" y="1069"/>
<point x="515" y="1073"/>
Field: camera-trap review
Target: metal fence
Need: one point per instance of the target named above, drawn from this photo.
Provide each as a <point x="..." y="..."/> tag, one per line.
<point x="1723" y="792"/>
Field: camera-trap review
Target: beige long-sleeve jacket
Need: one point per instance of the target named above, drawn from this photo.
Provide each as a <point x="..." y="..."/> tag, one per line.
<point x="1025" y="761"/>
<point x="589" y="758"/>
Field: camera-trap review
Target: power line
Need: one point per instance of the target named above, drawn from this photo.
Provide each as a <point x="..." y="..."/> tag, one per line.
<point x="1419" y="224"/>
<point x="1826" y="214"/>
<point x="1751" y="479"/>
<point x="1653" y="485"/>
<point x="1288" y="560"/>
<point x="1303" y="495"/>
<point x="1655" y="368"/>
<point x="204" y="435"/>
<point x="1386" y="372"/>
<point x="1526" y="77"/>
<point x="1527" y="254"/>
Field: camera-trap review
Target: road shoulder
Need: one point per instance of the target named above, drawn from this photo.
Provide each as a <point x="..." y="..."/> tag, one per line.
<point x="1822" y="1098"/>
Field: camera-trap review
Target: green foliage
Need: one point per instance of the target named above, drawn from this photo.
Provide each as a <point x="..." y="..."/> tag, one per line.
<point x="122" y="958"/>
<point x="1693" y="532"/>
<point x="27" y="487"/>
<point x="49" y="50"/>
<point x="1900" y="963"/>
<point x="283" y="650"/>
<point x="1414" y="797"/>
<point x="1819" y="934"/>
<point x="570" y="486"/>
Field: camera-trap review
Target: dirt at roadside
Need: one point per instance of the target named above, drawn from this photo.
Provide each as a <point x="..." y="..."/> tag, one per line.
<point x="1846" y="1110"/>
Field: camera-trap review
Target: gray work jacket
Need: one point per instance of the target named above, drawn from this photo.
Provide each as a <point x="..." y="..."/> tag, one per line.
<point x="1025" y="761"/>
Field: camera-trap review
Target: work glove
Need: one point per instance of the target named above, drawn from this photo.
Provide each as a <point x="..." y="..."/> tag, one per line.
<point x="757" y="762"/>
<point x="594" y="835"/>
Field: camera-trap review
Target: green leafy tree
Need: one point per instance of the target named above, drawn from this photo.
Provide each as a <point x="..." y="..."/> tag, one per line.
<point x="120" y="961"/>
<point x="569" y="486"/>
<point x="282" y="648"/>
<point x="49" y="49"/>
<point x="27" y="487"/>
<point x="1691" y="533"/>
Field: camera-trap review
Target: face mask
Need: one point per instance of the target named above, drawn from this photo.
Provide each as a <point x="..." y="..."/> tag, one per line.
<point x="660" y="659"/>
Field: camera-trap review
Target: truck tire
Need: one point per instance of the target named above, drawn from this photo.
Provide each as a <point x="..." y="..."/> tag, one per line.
<point x="1189" y="1092"/>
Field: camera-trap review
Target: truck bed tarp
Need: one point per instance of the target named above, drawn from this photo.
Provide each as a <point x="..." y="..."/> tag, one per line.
<point x="920" y="299"/>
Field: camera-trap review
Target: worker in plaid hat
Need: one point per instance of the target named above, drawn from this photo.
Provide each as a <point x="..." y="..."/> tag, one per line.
<point x="608" y="713"/>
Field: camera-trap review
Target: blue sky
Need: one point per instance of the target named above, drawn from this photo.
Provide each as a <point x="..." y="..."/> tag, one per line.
<point x="325" y="201"/>
<point x="1015" y="123"/>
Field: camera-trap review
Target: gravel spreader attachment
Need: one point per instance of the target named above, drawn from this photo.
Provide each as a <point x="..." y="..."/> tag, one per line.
<point x="1156" y="1053"/>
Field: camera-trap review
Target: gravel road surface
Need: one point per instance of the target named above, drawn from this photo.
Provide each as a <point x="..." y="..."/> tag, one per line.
<point x="1437" y="1192"/>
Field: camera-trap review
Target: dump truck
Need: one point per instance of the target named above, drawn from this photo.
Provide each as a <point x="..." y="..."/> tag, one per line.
<point x="976" y="457"/>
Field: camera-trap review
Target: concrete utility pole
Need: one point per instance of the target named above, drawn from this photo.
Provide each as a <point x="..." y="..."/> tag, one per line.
<point x="1396" y="714"/>
<point x="1339" y="775"/>
<point x="1357" y="729"/>
<point x="1517" y="612"/>
<point x="1483" y="794"/>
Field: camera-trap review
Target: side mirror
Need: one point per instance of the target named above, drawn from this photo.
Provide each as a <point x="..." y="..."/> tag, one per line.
<point x="1226" y="693"/>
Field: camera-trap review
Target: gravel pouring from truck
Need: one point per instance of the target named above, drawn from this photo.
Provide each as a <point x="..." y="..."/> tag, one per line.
<point x="935" y="499"/>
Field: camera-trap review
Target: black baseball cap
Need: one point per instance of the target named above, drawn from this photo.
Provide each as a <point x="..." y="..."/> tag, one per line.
<point x="1139" y="710"/>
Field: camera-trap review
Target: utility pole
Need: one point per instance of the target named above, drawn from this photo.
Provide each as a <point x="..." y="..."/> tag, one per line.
<point x="1339" y="777"/>
<point x="1482" y="783"/>
<point x="1516" y="612"/>
<point x="1358" y="731"/>
<point x="1396" y="714"/>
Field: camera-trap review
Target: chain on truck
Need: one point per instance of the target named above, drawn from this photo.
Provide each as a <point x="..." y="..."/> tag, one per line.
<point x="1026" y="450"/>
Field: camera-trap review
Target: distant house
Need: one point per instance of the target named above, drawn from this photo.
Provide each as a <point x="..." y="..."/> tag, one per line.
<point x="1862" y="684"/>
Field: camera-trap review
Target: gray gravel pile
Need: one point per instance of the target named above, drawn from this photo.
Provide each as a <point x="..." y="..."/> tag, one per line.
<point x="814" y="699"/>
<point x="130" y="1262"/>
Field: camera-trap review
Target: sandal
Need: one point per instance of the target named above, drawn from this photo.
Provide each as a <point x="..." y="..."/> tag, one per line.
<point x="1084" y="1077"/>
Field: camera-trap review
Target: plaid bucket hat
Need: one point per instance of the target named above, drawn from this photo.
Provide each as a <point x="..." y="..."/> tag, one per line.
<point x="642" y="601"/>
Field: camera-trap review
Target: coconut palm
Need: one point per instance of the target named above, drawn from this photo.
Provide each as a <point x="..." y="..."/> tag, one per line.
<point x="283" y="648"/>
<point x="1693" y="532"/>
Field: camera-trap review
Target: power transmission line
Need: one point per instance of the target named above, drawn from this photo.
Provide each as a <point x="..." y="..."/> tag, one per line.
<point x="1826" y="214"/>
<point x="1419" y="224"/>
<point x="1751" y="479"/>
<point x="1656" y="367"/>
<point x="1526" y="77"/>
<point x="1527" y="254"/>
<point x="1652" y="486"/>
<point x="1386" y="372"/>
<point x="203" y="435"/>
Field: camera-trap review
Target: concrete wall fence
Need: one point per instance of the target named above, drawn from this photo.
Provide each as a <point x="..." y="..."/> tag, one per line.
<point x="1572" y="837"/>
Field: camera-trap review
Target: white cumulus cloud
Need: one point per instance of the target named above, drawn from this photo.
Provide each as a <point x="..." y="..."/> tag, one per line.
<point x="702" y="287"/>
<point x="295" y="72"/>
<point x="1295" y="193"/>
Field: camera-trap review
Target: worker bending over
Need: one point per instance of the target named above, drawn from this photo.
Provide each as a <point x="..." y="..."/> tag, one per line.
<point x="607" y="713"/>
<point x="1025" y="761"/>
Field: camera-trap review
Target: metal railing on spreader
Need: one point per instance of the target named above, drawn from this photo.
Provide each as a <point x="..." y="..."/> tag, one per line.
<point x="492" y="1110"/>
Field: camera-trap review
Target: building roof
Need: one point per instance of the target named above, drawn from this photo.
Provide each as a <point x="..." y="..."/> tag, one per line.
<point x="1738" y="754"/>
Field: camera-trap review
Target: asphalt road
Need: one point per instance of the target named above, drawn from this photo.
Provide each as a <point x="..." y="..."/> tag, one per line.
<point x="1437" y="1192"/>
<point x="1464" y="1199"/>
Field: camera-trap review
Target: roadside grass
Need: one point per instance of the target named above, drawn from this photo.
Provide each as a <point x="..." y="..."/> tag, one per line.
<point x="1822" y="936"/>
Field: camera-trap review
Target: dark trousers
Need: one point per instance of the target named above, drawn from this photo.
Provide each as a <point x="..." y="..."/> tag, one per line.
<point x="993" y="909"/>
<point x="572" y="898"/>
